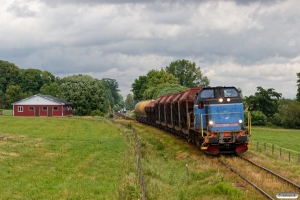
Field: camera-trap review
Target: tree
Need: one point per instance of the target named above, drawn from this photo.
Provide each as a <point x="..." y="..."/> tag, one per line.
<point x="86" y="94"/>
<point x="288" y="114"/>
<point x="163" y="89"/>
<point x="32" y="80"/>
<point x="258" y="118"/>
<point x="129" y="102"/>
<point x="2" y="99"/>
<point x="152" y="79"/>
<point x="113" y="86"/>
<point x="264" y="101"/>
<point x="14" y="93"/>
<point x="155" y="77"/>
<point x="298" y="84"/>
<point x="138" y="87"/>
<point x="52" y="89"/>
<point x="120" y="105"/>
<point x="8" y="74"/>
<point x="187" y="73"/>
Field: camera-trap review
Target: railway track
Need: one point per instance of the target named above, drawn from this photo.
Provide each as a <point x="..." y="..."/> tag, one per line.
<point x="267" y="182"/>
<point x="281" y="184"/>
<point x="126" y="117"/>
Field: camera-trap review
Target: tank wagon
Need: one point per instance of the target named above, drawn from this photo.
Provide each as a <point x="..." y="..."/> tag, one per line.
<point x="213" y="118"/>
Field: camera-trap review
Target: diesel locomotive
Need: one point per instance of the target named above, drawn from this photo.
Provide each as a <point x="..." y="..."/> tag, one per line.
<point x="212" y="118"/>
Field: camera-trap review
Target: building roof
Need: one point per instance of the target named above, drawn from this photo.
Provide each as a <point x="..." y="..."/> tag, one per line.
<point x="48" y="97"/>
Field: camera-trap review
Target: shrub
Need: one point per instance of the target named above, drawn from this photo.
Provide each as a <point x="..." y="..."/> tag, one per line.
<point x="258" y="118"/>
<point x="96" y="113"/>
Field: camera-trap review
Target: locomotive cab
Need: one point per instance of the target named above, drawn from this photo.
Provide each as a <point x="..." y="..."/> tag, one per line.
<point x="219" y="118"/>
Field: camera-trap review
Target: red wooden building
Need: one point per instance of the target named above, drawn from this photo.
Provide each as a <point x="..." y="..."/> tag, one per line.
<point x="42" y="105"/>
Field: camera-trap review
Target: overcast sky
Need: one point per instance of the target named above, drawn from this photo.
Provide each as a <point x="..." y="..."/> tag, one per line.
<point x="235" y="43"/>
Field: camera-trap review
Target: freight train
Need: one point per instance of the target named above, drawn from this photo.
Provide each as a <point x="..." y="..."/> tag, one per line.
<point x="212" y="118"/>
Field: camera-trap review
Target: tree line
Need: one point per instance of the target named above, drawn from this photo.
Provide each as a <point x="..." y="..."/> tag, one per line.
<point x="89" y="95"/>
<point x="269" y="108"/>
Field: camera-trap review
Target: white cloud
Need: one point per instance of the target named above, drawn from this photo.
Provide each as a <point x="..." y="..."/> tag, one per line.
<point x="281" y="77"/>
<point x="225" y="16"/>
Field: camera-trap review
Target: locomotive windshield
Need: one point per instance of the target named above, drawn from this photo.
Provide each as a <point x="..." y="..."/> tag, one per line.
<point x="207" y="94"/>
<point x="230" y="92"/>
<point x="214" y="93"/>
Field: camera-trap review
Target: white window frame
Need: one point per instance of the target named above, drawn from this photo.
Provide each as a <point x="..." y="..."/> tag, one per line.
<point x="20" y="108"/>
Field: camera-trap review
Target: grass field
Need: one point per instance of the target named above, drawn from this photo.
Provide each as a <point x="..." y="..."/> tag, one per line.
<point x="65" y="158"/>
<point x="288" y="139"/>
<point x="6" y="112"/>
<point x="94" y="158"/>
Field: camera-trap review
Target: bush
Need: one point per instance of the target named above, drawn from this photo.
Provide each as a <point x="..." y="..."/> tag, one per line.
<point x="97" y="113"/>
<point x="258" y="118"/>
<point x="270" y="124"/>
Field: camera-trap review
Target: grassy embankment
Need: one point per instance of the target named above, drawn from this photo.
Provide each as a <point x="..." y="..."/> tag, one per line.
<point x="66" y="158"/>
<point x="167" y="177"/>
<point x="164" y="166"/>
<point x="288" y="140"/>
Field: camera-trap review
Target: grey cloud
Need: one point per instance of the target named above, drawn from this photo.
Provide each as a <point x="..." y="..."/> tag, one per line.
<point x="115" y="1"/>
<point x="227" y="40"/>
<point x="240" y="2"/>
<point x="20" y="9"/>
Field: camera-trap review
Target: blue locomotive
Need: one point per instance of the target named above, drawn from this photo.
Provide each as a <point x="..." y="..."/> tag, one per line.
<point x="219" y="116"/>
<point x="213" y="118"/>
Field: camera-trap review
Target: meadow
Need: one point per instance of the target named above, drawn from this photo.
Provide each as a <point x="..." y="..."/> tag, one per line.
<point x="95" y="158"/>
<point x="286" y="138"/>
<point x="65" y="158"/>
<point x="282" y="144"/>
<point x="6" y="112"/>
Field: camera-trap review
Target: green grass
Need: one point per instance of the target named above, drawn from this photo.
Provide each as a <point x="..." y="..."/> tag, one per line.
<point x="286" y="138"/>
<point x="65" y="158"/>
<point x="6" y="112"/>
<point x="264" y="139"/>
<point x="167" y="177"/>
<point x="164" y="165"/>
<point x="94" y="158"/>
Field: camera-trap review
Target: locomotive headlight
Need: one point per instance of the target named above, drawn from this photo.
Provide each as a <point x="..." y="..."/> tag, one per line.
<point x="220" y="100"/>
<point x="240" y="121"/>
<point x="211" y="122"/>
<point x="228" y="99"/>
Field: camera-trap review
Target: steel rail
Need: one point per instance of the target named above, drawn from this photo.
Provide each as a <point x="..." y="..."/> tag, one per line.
<point x="255" y="186"/>
<point x="271" y="172"/>
<point x="123" y="116"/>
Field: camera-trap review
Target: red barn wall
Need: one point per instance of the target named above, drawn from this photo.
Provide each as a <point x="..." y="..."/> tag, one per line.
<point x="58" y="112"/>
<point x="26" y="111"/>
<point x="68" y="110"/>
